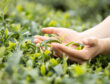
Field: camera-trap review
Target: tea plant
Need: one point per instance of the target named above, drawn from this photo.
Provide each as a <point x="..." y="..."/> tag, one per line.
<point x="21" y="62"/>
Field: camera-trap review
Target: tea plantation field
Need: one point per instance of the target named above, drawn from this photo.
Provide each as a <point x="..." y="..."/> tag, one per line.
<point x="22" y="63"/>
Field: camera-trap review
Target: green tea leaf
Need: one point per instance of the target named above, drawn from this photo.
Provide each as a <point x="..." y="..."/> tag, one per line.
<point x="6" y="32"/>
<point x="14" y="58"/>
<point x="29" y="63"/>
<point x="19" y="8"/>
<point x="2" y="50"/>
<point x="69" y="43"/>
<point x="5" y="10"/>
<point x="11" y="44"/>
<point x="79" y="70"/>
<point x="63" y="37"/>
<point x="80" y="46"/>
<point x="46" y="52"/>
<point x="46" y="35"/>
<point x="53" y="61"/>
<point x="52" y="23"/>
<point x="65" y="64"/>
<point x="43" y="70"/>
<point x="58" y="69"/>
<point x="49" y="41"/>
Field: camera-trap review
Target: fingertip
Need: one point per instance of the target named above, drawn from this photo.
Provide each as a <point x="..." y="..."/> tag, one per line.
<point x="37" y="45"/>
<point x="49" y="30"/>
<point x="36" y="41"/>
<point x="60" y="46"/>
<point x="55" y="45"/>
<point x="36" y="36"/>
<point x="43" y="29"/>
<point x="46" y="30"/>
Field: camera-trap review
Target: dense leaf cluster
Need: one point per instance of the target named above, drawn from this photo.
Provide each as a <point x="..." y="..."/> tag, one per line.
<point x="22" y="63"/>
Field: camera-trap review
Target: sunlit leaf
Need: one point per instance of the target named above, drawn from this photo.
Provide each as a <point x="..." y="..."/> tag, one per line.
<point x="43" y="70"/>
<point x="5" y="10"/>
<point x="49" y="41"/>
<point x="53" y="61"/>
<point x="2" y="50"/>
<point x="58" y="69"/>
<point x="6" y="33"/>
<point x="19" y="8"/>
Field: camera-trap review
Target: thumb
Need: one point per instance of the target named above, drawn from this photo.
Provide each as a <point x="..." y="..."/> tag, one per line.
<point x="50" y="30"/>
<point x="92" y="41"/>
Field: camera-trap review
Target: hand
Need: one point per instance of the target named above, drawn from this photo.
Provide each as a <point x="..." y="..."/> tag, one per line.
<point x="69" y="35"/>
<point x="92" y="48"/>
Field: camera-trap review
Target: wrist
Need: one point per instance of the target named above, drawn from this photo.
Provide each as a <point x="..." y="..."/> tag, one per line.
<point x="104" y="48"/>
<point x="84" y="34"/>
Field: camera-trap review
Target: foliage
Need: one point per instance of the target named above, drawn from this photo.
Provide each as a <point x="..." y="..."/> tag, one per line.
<point x="22" y="63"/>
<point x="86" y="9"/>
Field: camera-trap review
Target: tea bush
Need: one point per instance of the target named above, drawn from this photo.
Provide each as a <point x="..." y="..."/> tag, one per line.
<point x="22" y="63"/>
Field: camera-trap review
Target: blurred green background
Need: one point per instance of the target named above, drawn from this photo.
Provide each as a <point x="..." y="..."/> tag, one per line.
<point x="21" y="61"/>
<point x="85" y="8"/>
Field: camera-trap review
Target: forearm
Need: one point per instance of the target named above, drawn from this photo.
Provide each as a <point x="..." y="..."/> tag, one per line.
<point x="101" y="30"/>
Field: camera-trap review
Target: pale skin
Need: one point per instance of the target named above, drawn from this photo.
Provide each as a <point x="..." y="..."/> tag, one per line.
<point x="96" y="41"/>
